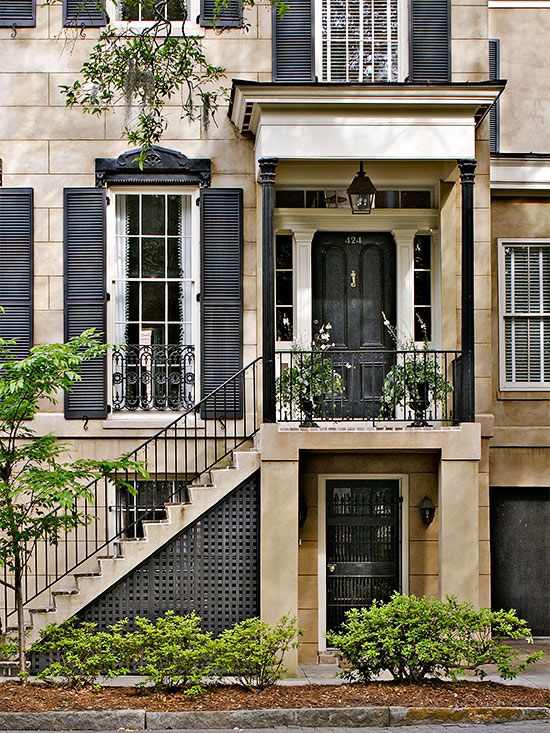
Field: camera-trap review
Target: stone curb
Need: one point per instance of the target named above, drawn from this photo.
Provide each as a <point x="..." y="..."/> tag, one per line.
<point x="137" y="720"/>
<point x="89" y="720"/>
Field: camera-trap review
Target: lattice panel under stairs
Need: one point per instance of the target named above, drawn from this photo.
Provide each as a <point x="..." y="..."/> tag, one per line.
<point x="211" y="567"/>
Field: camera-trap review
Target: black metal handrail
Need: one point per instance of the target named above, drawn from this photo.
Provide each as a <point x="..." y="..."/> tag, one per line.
<point x="179" y="454"/>
<point x="416" y="387"/>
<point x="153" y="377"/>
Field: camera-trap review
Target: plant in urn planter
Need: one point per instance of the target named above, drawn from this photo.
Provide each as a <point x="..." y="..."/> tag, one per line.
<point x="308" y="380"/>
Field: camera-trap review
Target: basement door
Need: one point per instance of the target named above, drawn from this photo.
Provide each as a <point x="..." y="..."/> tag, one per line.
<point x="363" y="539"/>
<point x="353" y="285"/>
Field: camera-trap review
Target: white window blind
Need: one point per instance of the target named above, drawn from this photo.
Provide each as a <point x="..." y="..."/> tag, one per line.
<point x="527" y="314"/>
<point x="360" y="40"/>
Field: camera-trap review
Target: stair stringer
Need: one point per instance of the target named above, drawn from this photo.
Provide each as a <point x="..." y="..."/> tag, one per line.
<point x="87" y="586"/>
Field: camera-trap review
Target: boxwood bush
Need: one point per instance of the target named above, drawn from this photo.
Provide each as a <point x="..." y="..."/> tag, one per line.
<point x="414" y="638"/>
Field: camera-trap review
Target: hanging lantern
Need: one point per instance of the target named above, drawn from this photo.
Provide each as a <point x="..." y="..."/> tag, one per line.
<point x="361" y="193"/>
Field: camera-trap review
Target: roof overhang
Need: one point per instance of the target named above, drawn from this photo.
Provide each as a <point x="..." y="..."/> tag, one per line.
<point x="327" y="121"/>
<point x="523" y="174"/>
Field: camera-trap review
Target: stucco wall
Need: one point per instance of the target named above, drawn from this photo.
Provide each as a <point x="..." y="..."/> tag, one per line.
<point x="524" y="62"/>
<point x="520" y="448"/>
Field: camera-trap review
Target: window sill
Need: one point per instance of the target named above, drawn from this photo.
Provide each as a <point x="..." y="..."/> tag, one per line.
<point x="526" y="394"/>
<point x="134" y="27"/>
<point x="148" y="421"/>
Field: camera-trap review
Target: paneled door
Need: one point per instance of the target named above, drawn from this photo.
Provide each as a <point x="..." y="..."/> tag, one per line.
<point x="354" y="284"/>
<point x="362" y="544"/>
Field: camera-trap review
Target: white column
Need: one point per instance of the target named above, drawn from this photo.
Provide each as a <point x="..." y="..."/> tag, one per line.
<point x="404" y="239"/>
<point x="304" y="285"/>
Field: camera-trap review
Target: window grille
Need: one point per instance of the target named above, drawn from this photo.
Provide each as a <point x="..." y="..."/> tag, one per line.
<point x="360" y="40"/>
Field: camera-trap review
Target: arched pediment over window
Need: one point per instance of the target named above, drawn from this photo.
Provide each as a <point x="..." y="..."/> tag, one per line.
<point x="160" y="166"/>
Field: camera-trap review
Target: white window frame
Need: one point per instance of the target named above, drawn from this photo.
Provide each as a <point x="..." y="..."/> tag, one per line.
<point x="191" y="26"/>
<point x="402" y="39"/>
<point x="506" y="386"/>
<point x="112" y="274"/>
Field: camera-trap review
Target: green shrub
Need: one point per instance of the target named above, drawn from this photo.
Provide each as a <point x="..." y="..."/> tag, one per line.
<point x="80" y="655"/>
<point x="172" y="651"/>
<point x="253" y="650"/>
<point x="414" y="638"/>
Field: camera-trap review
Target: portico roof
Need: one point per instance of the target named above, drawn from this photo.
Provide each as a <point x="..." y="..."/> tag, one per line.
<point x="327" y="121"/>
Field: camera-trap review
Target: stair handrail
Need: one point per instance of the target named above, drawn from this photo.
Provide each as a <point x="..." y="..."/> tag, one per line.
<point x="216" y="412"/>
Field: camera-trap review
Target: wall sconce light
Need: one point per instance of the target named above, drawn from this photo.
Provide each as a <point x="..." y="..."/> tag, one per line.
<point x="427" y="511"/>
<point x="361" y="193"/>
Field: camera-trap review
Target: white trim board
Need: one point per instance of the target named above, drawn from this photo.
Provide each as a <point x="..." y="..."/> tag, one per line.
<point x="519" y="4"/>
<point x="403" y="479"/>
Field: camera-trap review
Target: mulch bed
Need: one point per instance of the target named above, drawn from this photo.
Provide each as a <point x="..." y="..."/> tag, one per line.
<point x="17" y="697"/>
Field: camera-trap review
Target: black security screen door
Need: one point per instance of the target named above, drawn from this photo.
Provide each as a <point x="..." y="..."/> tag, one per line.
<point x="362" y="544"/>
<point x="353" y="284"/>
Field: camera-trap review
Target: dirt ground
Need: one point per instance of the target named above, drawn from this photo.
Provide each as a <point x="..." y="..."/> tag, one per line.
<point x="15" y="696"/>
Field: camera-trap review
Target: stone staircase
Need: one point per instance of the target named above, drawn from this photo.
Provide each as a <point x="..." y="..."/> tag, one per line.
<point x="101" y="571"/>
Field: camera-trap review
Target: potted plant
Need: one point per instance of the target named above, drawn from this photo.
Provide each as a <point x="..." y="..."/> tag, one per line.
<point x="309" y="379"/>
<point x="415" y="380"/>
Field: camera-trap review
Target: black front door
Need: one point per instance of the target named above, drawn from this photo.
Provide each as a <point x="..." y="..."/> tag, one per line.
<point x="362" y="544"/>
<point x="353" y="286"/>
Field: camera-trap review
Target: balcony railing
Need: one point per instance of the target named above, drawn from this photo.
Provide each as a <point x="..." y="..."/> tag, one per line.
<point x="417" y="388"/>
<point x="156" y="377"/>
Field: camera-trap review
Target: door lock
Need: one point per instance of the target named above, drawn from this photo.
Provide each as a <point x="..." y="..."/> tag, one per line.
<point x="331" y="568"/>
<point x="353" y="279"/>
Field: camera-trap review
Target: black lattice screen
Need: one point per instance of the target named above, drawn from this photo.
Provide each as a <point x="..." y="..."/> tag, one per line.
<point x="211" y="567"/>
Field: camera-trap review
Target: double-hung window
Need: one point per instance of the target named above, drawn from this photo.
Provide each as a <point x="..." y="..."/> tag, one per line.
<point x="154" y="300"/>
<point x="524" y="267"/>
<point x="360" y="40"/>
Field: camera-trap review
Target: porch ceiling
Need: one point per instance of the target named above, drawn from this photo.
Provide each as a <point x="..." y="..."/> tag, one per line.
<point x="398" y="121"/>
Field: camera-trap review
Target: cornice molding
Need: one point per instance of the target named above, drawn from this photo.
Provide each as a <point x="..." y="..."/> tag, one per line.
<point x="161" y="166"/>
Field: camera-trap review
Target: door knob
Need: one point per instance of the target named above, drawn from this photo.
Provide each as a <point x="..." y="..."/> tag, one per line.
<point x="331" y="568"/>
<point x="353" y="279"/>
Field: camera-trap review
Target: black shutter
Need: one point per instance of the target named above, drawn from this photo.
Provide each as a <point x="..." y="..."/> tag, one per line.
<point x="85" y="296"/>
<point x="430" y="41"/>
<point x="293" y="43"/>
<point x="494" y="73"/>
<point x="84" y="13"/>
<point x="16" y="268"/>
<point x="18" y="13"/>
<point x="229" y="17"/>
<point x="221" y="297"/>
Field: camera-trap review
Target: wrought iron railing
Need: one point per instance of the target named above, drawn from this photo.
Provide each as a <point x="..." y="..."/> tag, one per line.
<point x="154" y="377"/>
<point x="416" y="387"/>
<point x="175" y="457"/>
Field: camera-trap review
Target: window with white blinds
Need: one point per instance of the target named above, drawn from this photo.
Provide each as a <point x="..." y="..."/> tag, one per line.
<point x="360" y="40"/>
<point x="525" y="314"/>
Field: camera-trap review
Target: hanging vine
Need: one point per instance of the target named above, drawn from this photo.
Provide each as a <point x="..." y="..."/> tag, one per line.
<point x="142" y="68"/>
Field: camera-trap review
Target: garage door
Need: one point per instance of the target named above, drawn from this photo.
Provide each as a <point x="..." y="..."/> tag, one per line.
<point x="520" y="554"/>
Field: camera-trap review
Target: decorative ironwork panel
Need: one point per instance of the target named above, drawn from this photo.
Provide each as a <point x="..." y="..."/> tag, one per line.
<point x="211" y="567"/>
<point x="155" y="377"/>
<point x="363" y="540"/>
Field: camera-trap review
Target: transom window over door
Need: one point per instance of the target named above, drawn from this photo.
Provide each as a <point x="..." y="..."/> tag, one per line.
<point x="153" y="302"/>
<point x="360" y="40"/>
<point x="525" y="314"/>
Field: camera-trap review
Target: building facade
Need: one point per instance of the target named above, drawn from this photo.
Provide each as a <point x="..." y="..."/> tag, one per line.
<point x="286" y="478"/>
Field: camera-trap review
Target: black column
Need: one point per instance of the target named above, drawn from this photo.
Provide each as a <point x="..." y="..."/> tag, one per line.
<point x="467" y="398"/>
<point x="267" y="180"/>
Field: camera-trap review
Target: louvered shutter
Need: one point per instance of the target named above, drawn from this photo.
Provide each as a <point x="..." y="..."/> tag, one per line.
<point x="293" y="43"/>
<point x="430" y="40"/>
<point x="527" y="314"/>
<point x="221" y="298"/>
<point x="16" y="268"/>
<point x="494" y="73"/>
<point x="87" y="13"/>
<point x="85" y="296"/>
<point x="228" y="17"/>
<point x="18" y="13"/>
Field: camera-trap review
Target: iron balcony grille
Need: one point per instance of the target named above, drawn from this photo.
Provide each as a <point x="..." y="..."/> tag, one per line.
<point x="414" y="387"/>
<point x="154" y="377"/>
